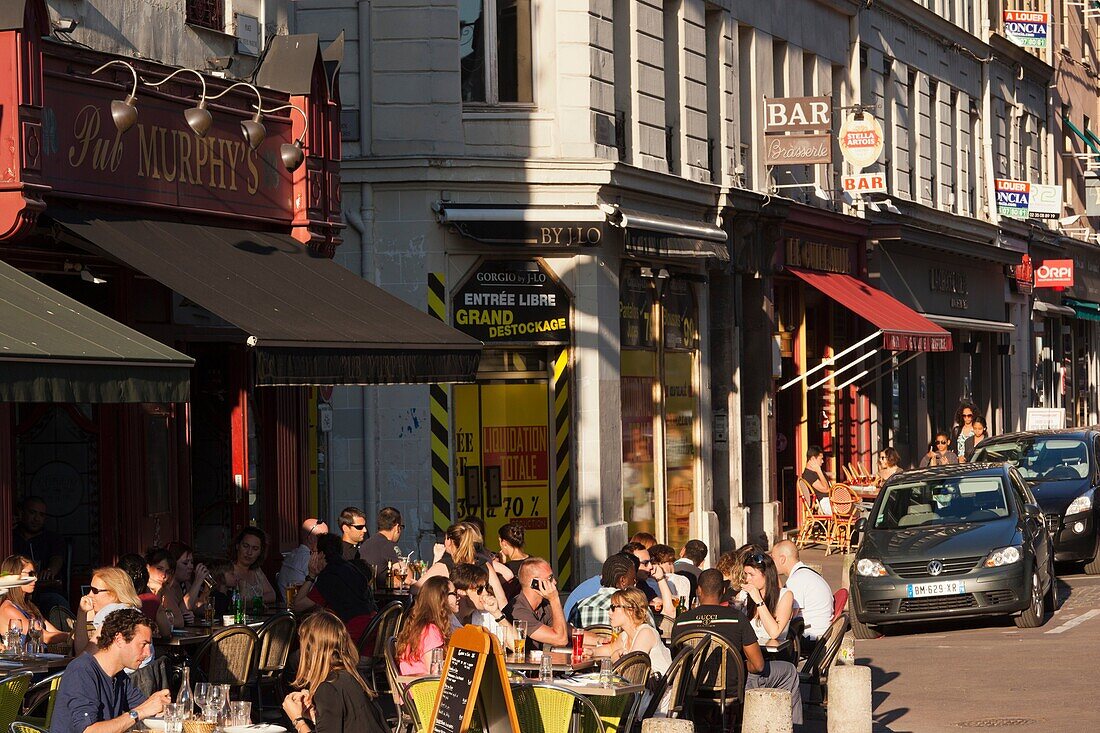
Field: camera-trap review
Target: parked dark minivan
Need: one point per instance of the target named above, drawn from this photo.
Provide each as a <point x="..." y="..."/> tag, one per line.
<point x="952" y="542"/>
<point x="1061" y="468"/>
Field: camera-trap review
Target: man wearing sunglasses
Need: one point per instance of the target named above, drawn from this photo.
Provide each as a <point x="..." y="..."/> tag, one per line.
<point x="296" y="564"/>
<point x="480" y="598"/>
<point x="353" y="530"/>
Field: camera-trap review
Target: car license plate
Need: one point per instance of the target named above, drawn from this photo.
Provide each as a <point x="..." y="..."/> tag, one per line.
<point x="941" y="588"/>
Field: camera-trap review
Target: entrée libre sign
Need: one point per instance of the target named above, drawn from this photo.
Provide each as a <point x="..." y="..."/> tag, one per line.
<point x="160" y="161"/>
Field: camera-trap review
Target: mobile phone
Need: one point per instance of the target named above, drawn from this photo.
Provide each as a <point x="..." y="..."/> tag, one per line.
<point x="535" y="584"/>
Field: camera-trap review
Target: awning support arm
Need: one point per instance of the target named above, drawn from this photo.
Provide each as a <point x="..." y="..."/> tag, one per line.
<point x="846" y="367"/>
<point x="901" y="363"/>
<point x="830" y="361"/>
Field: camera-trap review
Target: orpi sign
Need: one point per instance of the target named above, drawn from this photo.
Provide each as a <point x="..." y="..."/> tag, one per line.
<point x="1054" y="274"/>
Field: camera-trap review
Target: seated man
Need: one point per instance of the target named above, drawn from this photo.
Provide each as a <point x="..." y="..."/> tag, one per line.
<point x="690" y="563"/>
<point x="539" y="606"/>
<point x="96" y="695"/>
<point x="618" y="573"/>
<point x="338" y="586"/>
<point x="812" y="594"/>
<point x="814" y="475"/>
<point x="733" y="626"/>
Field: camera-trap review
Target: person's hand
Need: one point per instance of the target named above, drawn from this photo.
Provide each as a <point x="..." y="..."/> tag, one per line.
<point x="753" y="592"/>
<point x="547" y="588"/>
<point x="201" y="572"/>
<point x="295" y="704"/>
<point x="188" y="617"/>
<point x="86" y="604"/>
<point x="657" y="572"/>
<point x="489" y="600"/>
<point x="657" y="604"/>
<point x="317" y="563"/>
<point x="154" y="704"/>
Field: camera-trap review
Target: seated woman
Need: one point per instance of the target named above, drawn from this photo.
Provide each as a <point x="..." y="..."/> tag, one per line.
<point x="247" y="552"/>
<point x="17" y="604"/>
<point x="888" y="461"/>
<point x="109" y="590"/>
<point x="161" y="571"/>
<point x="462" y="543"/>
<point x="630" y="613"/>
<point x="939" y="453"/>
<point x="480" y="598"/>
<point x="428" y="625"/>
<point x="331" y="697"/>
<point x="149" y="602"/>
<point x="189" y="588"/>
<point x="768" y="606"/>
<point x="338" y="587"/>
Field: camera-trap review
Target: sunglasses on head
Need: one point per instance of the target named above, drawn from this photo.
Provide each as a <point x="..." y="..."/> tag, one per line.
<point x="623" y="606"/>
<point x="756" y="558"/>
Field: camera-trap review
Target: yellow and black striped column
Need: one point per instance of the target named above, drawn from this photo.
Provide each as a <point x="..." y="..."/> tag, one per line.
<point x="562" y="466"/>
<point x="441" y="421"/>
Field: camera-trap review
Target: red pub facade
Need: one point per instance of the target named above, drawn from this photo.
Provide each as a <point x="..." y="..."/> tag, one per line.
<point x="172" y="296"/>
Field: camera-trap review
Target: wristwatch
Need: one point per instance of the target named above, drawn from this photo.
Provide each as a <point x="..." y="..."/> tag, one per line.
<point x="310" y="579"/>
<point x="499" y="618"/>
<point x="133" y="715"/>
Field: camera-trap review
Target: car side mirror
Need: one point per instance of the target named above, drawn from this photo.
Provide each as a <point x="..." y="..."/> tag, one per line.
<point x="861" y="524"/>
<point x="1032" y="510"/>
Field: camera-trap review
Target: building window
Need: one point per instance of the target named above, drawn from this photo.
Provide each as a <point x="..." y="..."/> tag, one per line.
<point x="495" y="46"/>
<point x="206" y="13"/>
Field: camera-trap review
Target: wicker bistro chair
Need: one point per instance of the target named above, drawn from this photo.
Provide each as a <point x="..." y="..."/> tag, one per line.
<point x="677" y="686"/>
<point x="419" y="699"/>
<point x="275" y="639"/>
<point x="62" y="618"/>
<point x="815" y="671"/>
<point x="601" y="631"/>
<point x="21" y="727"/>
<point x="402" y="720"/>
<point x="814" y="524"/>
<point x="227" y="658"/>
<point x="845" y="507"/>
<point x="12" y="690"/>
<point x="39" y="700"/>
<point x="719" y="673"/>
<point x="386" y="623"/>
<point x="619" y="712"/>
<point x="544" y="707"/>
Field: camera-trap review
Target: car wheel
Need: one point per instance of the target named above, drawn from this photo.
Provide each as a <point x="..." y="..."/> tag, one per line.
<point x="1035" y="614"/>
<point x="860" y="630"/>
<point x="1092" y="567"/>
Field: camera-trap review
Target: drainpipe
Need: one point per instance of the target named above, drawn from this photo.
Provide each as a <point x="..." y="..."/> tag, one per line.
<point x="365" y="76"/>
<point x="362" y="222"/>
<point x="987" y="129"/>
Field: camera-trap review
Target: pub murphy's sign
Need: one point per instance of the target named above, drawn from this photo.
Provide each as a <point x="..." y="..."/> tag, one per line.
<point x="513" y="301"/>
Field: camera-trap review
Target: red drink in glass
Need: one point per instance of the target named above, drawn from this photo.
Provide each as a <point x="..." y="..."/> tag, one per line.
<point x="578" y="643"/>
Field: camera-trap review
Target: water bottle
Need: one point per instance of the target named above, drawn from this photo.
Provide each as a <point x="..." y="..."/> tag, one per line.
<point x="238" y="607"/>
<point x="184" y="697"/>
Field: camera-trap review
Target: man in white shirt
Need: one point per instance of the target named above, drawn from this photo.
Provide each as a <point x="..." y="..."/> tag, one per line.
<point x="296" y="563"/>
<point x="811" y="591"/>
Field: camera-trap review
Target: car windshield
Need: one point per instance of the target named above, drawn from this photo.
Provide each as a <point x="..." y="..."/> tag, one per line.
<point x="950" y="500"/>
<point x="1040" y="458"/>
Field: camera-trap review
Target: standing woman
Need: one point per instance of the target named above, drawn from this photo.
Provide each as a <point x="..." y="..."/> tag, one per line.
<point x="247" y="552"/>
<point x="428" y="625"/>
<point x="17" y="604"/>
<point x="980" y="434"/>
<point x="188" y="587"/>
<point x="939" y="453"/>
<point x="769" y="606"/>
<point x="332" y="696"/>
<point x="962" y="434"/>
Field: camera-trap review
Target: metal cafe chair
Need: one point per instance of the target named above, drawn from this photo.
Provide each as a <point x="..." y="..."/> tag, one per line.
<point x="814" y="523"/>
<point x="549" y="708"/>
<point x="227" y="658"/>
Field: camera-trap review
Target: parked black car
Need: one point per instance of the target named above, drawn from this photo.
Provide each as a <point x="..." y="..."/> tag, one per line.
<point x="1062" y="467"/>
<point x="951" y="542"/>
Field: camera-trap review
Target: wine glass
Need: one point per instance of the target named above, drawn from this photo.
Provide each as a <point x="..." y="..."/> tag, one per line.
<point x="202" y="695"/>
<point x="218" y="696"/>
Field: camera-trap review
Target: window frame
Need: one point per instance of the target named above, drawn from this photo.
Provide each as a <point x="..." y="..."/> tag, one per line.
<point x="490" y="40"/>
<point x="194" y="17"/>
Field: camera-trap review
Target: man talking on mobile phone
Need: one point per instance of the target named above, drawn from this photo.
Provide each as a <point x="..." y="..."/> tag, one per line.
<point x="538" y="604"/>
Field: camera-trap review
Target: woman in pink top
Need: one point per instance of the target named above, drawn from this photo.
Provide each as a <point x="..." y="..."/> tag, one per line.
<point x="428" y="626"/>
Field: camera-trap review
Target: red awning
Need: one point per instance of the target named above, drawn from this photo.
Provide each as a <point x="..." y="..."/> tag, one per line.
<point x="903" y="329"/>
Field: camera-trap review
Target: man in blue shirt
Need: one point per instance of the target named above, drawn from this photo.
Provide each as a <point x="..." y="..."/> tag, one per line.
<point x="96" y="695"/>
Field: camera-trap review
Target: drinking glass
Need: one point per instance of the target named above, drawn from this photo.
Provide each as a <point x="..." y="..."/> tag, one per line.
<point x="607" y="677"/>
<point x="214" y="703"/>
<point x="436" y="659"/>
<point x="174" y="713"/>
<point x="546" y="667"/>
<point x="519" y="639"/>
<point x="578" y="644"/>
<point x="202" y="696"/>
<point x="240" y="713"/>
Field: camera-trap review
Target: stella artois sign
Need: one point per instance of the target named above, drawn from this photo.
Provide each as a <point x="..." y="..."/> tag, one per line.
<point x="861" y="140"/>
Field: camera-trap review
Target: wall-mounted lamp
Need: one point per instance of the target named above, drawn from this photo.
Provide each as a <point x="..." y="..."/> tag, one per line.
<point x="291" y="153"/>
<point x="198" y="117"/>
<point x="662" y="274"/>
<point x="1067" y="220"/>
<point x="65" y="25"/>
<point x="123" y="112"/>
<point x="253" y="130"/>
<point x="646" y="272"/>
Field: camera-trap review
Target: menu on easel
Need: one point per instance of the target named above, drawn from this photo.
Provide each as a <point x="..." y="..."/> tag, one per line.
<point x="466" y="682"/>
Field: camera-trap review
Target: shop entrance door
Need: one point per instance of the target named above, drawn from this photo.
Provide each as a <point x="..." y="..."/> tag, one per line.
<point x="502" y="454"/>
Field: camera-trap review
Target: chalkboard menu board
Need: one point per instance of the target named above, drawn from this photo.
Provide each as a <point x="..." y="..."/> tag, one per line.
<point x="473" y="673"/>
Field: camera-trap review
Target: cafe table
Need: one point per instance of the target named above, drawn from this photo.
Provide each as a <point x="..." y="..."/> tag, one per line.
<point x="35" y="663"/>
<point x="194" y="635"/>
<point x="563" y="663"/>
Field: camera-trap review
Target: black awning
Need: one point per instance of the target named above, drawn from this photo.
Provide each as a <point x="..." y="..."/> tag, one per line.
<point x="657" y="235"/>
<point x="309" y="320"/>
<point x="55" y="349"/>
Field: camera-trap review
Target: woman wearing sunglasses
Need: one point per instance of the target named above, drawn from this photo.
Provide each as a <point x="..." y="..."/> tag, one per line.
<point x="769" y="606"/>
<point x="630" y="614"/>
<point x="18" y="606"/>
<point x="428" y="626"/>
<point x="940" y="453"/>
<point x="110" y="589"/>
<point x="480" y="598"/>
<point x="962" y="432"/>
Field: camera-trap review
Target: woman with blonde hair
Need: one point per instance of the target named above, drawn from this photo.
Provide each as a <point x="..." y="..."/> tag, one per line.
<point x="630" y="614"/>
<point x="332" y="695"/>
<point x="17" y="604"/>
<point x="109" y="590"/>
<point x="460" y="545"/>
<point x="428" y="626"/>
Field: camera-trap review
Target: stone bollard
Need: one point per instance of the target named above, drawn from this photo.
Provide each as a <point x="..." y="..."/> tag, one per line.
<point x="850" y="699"/>
<point x="667" y="725"/>
<point x="767" y="711"/>
<point x="846" y="655"/>
<point x="846" y="573"/>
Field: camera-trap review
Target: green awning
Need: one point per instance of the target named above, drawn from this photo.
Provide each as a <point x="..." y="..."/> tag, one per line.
<point x="1084" y="309"/>
<point x="1086" y="137"/>
<point x="55" y="349"/>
